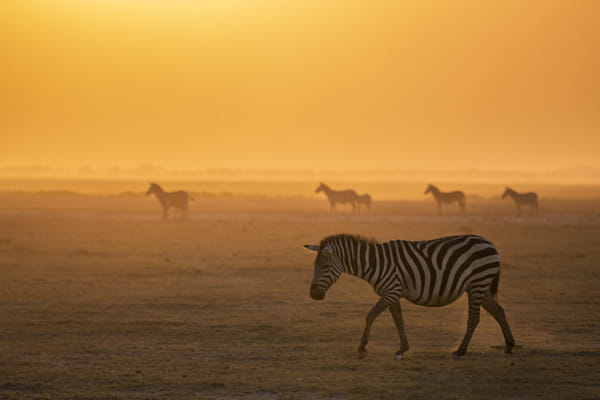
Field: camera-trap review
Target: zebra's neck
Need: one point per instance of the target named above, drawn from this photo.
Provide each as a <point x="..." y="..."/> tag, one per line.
<point x="160" y="194"/>
<point x="362" y="258"/>
<point x="326" y="189"/>
<point x="374" y="262"/>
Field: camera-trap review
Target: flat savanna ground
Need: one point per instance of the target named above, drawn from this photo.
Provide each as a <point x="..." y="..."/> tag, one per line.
<point x="99" y="298"/>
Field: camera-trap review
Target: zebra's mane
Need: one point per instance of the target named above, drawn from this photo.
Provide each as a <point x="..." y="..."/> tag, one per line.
<point x="347" y="236"/>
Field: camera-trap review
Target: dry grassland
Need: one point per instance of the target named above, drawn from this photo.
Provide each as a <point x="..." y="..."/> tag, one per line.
<point x="99" y="299"/>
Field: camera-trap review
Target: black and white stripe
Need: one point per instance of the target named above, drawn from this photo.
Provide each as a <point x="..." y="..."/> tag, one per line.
<point x="429" y="273"/>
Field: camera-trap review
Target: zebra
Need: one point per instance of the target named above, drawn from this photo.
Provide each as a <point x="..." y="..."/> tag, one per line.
<point x="530" y="199"/>
<point x="338" y="196"/>
<point x="364" y="199"/>
<point x="177" y="200"/>
<point x="430" y="273"/>
<point x="450" y="197"/>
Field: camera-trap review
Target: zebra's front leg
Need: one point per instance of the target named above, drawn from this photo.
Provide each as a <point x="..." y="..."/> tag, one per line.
<point x="396" y="311"/>
<point x="379" y="307"/>
<point x="475" y="298"/>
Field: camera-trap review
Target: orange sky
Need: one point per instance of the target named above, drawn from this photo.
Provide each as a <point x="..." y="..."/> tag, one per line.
<point x="300" y="83"/>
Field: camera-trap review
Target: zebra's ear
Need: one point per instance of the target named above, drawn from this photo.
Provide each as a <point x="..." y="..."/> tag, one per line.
<point x="312" y="247"/>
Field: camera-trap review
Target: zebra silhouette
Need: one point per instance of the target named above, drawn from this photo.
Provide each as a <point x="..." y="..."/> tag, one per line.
<point x="364" y="199"/>
<point x="449" y="197"/>
<point x="430" y="273"/>
<point x="177" y="200"/>
<point x="530" y="199"/>
<point x="338" y="196"/>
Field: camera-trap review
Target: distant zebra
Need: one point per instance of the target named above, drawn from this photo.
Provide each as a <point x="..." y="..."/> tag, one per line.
<point x="530" y="199"/>
<point x="338" y="196"/>
<point x="176" y="200"/>
<point x="364" y="199"/>
<point x="430" y="273"/>
<point x="450" y="197"/>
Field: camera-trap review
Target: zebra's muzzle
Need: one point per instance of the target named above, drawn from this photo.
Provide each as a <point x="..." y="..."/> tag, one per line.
<point x="315" y="293"/>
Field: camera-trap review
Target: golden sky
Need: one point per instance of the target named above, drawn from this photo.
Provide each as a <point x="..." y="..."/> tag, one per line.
<point x="300" y="83"/>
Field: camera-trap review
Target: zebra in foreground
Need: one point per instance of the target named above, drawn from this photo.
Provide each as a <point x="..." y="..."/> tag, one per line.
<point x="176" y="200"/>
<point x="431" y="273"/>
<point x="339" y="196"/>
<point x="450" y="197"/>
<point x="530" y="199"/>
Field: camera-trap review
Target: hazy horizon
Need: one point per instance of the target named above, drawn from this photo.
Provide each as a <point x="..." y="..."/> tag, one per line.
<point x="576" y="174"/>
<point x="576" y="183"/>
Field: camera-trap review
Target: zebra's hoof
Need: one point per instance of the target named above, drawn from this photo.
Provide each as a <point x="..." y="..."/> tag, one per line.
<point x="456" y="355"/>
<point x="361" y="355"/>
<point x="398" y="356"/>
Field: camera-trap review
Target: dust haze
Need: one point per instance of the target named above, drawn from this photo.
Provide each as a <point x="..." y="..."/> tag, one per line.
<point x="104" y="299"/>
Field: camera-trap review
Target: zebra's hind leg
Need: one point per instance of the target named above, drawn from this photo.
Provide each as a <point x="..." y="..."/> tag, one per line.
<point x="491" y="305"/>
<point x="475" y="297"/>
<point x="396" y="311"/>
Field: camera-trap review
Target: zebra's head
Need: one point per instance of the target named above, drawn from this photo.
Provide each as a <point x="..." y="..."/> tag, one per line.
<point x="327" y="270"/>
<point x="430" y="188"/>
<point x="321" y="188"/>
<point x="151" y="189"/>
<point x="507" y="192"/>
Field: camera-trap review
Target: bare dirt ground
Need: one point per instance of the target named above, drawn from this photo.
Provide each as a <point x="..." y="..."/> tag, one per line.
<point x="99" y="299"/>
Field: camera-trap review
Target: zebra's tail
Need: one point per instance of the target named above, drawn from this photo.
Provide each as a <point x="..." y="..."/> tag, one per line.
<point x="494" y="285"/>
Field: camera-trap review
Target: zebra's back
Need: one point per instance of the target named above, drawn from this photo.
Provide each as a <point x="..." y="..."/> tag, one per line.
<point x="178" y="199"/>
<point x="530" y="198"/>
<point x="437" y="272"/>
